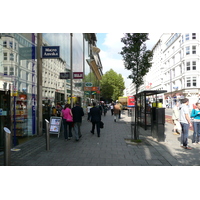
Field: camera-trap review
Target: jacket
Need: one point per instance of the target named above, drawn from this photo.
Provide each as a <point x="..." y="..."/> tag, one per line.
<point x="95" y="114"/>
<point x="77" y="112"/>
<point x="195" y="114"/>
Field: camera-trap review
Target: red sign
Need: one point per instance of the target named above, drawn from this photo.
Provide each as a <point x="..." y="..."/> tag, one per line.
<point x="77" y="75"/>
<point x="94" y="88"/>
<point x="131" y="101"/>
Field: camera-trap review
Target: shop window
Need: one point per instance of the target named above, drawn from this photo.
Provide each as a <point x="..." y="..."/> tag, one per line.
<point x="187" y="50"/>
<point x="5" y="72"/>
<point x="188" y="66"/>
<point x="193" y="36"/>
<point x="193" y="49"/>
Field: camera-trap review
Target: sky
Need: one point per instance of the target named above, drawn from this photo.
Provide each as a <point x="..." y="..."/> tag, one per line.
<point x="110" y="45"/>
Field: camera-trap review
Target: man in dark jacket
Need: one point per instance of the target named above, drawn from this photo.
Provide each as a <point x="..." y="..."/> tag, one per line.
<point x="77" y="112"/>
<point x="95" y="116"/>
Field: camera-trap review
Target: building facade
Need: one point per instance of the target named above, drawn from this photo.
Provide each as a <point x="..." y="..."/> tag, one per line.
<point x="176" y="67"/>
<point x="19" y="63"/>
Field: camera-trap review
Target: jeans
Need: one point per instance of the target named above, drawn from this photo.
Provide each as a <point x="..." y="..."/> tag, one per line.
<point x="66" y="124"/>
<point x="196" y="133"/>
<point x="184" y="134"/>
<point x="97" y="126"/>
<point x="77" y="130"/>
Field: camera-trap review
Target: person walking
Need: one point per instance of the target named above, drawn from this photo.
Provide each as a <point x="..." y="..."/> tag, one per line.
<point x="185" y="123"/>
<point x="95" y="115"/>
<point x="175" y="118"/>
<point x="66" y="113"/>
<point x="88" y="111"/>
<point x="116" y="111"/>
<point x="111" y="108"/>
<point x="195" y="115"/>
<point x="120" y="110"/>
<point x="78" y="113"/>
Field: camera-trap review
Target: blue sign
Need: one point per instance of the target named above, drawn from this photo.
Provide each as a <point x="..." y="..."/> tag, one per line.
<point x="50" y="52"/>
<point x="1" y="111"/>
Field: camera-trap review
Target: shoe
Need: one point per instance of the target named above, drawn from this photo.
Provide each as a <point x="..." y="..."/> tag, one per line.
<point x="77" y="140"/>
<point x="98" y="135"/>
<point x="91" y="132"/>
<point x="194" y="143"/>
<point x="114" y="120"/>
<point x="80" y="136"/>
<point x="175" y="133"/>
<point x="183" y="146"/>
<point x="189" y="148"/>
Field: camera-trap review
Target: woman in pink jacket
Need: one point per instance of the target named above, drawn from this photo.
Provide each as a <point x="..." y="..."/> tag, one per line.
<point x="67" y="121"/>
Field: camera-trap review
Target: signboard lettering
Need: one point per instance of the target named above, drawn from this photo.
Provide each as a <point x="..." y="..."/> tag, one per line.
<point x="50" y="52"/>
<point x="64" y="75"/>
<point x="78" y="75"/>
<point x="55" y="124"/>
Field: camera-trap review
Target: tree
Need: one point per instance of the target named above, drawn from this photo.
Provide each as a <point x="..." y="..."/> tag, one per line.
<point x="112" y="85"/>
<point x="136" y="59"/>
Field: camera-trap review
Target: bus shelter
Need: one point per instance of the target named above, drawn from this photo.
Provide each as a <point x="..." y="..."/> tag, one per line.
<point x="144" y="109"/>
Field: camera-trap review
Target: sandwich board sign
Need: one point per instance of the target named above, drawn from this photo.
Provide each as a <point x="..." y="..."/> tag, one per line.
<point x="55" y="125"/>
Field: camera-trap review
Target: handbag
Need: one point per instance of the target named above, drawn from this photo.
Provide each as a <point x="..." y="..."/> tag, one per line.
<point x="101" y="124"/>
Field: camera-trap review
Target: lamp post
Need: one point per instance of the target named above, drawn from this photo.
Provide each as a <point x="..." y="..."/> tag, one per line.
<point x="71" y="67"/>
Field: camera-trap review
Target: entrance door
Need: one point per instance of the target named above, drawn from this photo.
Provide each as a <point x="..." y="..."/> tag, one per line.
<point x="5" y="119"/>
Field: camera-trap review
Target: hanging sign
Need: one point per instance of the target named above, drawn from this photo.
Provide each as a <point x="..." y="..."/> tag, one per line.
<point x="77" y="75"/>
<point x="50" y="52"/>
<point x="64" y="75"/>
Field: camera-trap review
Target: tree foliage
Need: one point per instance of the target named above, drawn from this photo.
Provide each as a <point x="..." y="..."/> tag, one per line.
<point x="136" y="57"/>
<point x="112" y="85"/>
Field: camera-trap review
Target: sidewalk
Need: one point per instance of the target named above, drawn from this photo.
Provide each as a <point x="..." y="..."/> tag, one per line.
<point x="108" y="150"/>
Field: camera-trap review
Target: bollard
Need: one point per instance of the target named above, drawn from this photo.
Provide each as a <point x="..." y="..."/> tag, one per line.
<point x="47" y="136"/>
<point x="7" y="147"/>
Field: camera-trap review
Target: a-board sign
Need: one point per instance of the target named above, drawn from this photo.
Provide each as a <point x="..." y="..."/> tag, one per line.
<point x="55" y="124"/>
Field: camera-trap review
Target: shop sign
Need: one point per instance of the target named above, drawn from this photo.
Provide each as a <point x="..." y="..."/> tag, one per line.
<point x="1" y="111"/>
<point x="50" y="52"/>
<point x="78" y="84"/>
<point x="87" y="88"/>
<point x="94" y="88"/>
<point x="27" y="53"/>
<point x="64" y="75"/>
<point x="87" y="92"/>
<point x="77" y="75"/>
<point x="93" y="92"/>
<point x="88" y="84"/>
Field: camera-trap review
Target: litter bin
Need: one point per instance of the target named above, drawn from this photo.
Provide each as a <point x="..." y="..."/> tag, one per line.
<point x="158" y="124"/>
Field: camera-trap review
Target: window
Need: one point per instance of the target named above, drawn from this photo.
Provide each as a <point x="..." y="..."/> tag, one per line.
<point x="4" y="43"/>
<point x="11" y="71"/>
<point x="187" y="50"/>
<point x="188" y="82"/>
<point x="11" y="44"/>
<point x="193" y="49"/>
<point x="194" y="65"/>
<point x="5" y="72"/>
<point x="194" y="82"/>
<point x="12" y="56"/>
<point x="5" y="56"/>
<point x="193" y="36"/>
<point x="15" y="46"/>
<point x="187" y="36"/>
<point x="188" y="66"/>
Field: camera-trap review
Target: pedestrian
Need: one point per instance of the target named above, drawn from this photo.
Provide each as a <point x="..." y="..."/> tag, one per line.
<point x="195" y="115"/>
<point x="185" y="123"/>
<point x="78" y="113"/>
<point x="116" y="111"/>
<point x="95" y="115"/>
<point x="120" y="110"/>
<point x="66" y="113"/>
<point x="111" y="108"/>
<point x="175" y="118"/>
<point x="58" y="109"/>
<point x="105" y="108"/>
<point x="88" y="111"/>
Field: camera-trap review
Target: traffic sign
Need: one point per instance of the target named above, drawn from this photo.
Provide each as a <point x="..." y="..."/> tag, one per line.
<point x="88" y="84"/>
